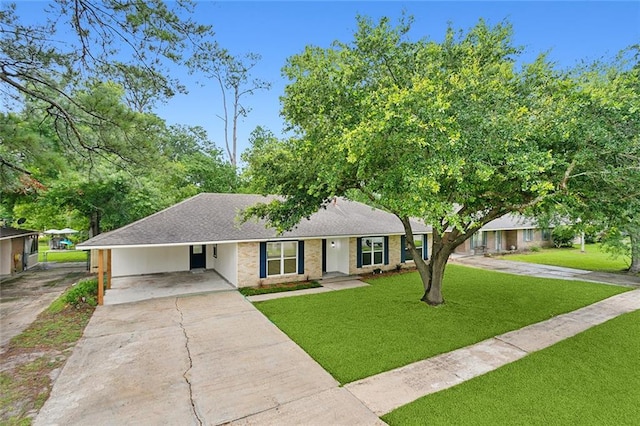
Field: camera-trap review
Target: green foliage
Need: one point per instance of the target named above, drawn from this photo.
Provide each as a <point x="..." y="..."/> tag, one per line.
<point x="68" y="82"/>
<point x="604" y="190"/>
<point x="563" y="236"/>
<point x="85" y="291"/>
<point x="454" y="133"/>
<point x="591" y="378"/>
<point x="364" y="331"/>
<point x="418" y="127"/>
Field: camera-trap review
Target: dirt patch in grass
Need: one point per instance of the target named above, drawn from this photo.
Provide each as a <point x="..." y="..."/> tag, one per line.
<point x="277" y="288"/>
<point x="382" y="274"/>
<point x="33" y="359"/>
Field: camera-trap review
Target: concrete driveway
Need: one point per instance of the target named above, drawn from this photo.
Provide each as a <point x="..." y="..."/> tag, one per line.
<point x="203" y="359"/>
<point x="546" y="271"/>
<point x="24" y="296"/>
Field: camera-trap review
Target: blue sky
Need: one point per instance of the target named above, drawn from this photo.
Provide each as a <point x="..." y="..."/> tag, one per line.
<point x="570" y="31"/>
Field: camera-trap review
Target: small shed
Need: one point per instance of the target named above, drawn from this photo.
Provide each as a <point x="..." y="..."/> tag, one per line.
<point x="18" y="250"/>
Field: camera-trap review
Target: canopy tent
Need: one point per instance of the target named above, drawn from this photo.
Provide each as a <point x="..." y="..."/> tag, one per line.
<point x="68" y="231"/>
<point x="59" y="240"/>
<point x="60" y="231"/>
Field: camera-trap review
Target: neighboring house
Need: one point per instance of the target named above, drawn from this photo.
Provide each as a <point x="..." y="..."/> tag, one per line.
<point x="18" y="250"/>
<point x="346" y="237"/>
<point x="508" y="233"/>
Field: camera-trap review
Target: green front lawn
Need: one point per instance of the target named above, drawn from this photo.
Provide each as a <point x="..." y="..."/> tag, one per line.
<point x="59" y="255"/>
<point x="590" y="379"/>
<point x="593" y="259"/>
<point x="364" y="331"/>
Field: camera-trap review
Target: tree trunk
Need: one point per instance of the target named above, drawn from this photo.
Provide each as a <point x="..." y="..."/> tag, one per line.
<point x="94" y="223"/>
<point x="635" y="253"/>
<point x="434" y="273"/>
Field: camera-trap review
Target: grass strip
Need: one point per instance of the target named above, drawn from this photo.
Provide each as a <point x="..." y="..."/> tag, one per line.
<point x="593" y="259"/>
<point x="590" y="379"/>
<point x="32" y="358"/>
<point x="364" y="331"/>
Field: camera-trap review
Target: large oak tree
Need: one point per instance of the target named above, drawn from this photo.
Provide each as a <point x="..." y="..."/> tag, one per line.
<point x="457" y="133"/>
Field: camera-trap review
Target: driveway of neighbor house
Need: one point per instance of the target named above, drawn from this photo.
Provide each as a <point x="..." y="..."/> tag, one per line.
<point x="201" y="359"/>
<point x="546" y="271"/>
<point x="24" y="296"/>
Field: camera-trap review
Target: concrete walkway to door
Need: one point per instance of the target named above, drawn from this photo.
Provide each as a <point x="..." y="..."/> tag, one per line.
<point x="204" y="359"/>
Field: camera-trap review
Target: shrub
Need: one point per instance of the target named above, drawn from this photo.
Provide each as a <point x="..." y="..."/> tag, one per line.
<point x="591" y="234"/>
<point x="563" y="236"/>
<point x="85" y="291"/>
<point x="534" y="249"/>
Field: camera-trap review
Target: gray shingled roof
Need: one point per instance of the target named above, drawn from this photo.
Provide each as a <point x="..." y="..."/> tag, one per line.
<point x="8" y="232"/>
<point x="509" y="222"/>
<point x="212" y="218"/>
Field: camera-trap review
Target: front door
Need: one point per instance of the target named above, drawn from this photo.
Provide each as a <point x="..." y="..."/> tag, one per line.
<point x="197" y="257"/>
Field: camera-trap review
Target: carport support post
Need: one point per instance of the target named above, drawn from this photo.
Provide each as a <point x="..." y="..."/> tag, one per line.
<point x="100" y="277"/>
<point x="108" y="268"/>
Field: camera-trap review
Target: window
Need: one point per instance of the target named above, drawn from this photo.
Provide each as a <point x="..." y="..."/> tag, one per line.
<point x="282" y="258"/>
<point x="31" y="244"/>
<point x="528" y="234"/>
<point x="417" y="240"/>
<point x="479" y="239"/>
<point x="372" y="251"/>
<point x="546" y="234"/>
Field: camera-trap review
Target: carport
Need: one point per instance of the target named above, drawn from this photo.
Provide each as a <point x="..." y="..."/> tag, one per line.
<point x="194" y="268"/>
<point x="153" y="286"/>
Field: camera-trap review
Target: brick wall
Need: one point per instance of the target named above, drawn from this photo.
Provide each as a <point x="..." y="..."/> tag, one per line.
<point x="249" y="265"/>
<point x="394" y="257"/>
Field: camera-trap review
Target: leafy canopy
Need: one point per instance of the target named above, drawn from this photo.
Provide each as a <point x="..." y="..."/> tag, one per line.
<point x="455" y="132"/>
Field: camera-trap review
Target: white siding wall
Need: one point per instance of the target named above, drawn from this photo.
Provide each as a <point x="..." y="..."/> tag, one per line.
<point x="227" y="262"/>
<point x="32" y="260"/>
<point x="209" y="260"/>
<point x="149" y="260"/>
<point x="5" y="257"/>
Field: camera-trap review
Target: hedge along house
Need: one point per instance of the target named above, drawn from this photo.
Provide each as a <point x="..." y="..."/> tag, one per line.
<point x="18" y="250"/>
<point x="508" y="233"/>
<point x="204" y="232"/>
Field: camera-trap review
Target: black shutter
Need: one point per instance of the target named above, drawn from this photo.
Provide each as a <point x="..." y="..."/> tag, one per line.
<point x="425" y="246"/>
<point x="263" y="260"/>
<point x="386" y="250"/>
<point x="301" y="257"/>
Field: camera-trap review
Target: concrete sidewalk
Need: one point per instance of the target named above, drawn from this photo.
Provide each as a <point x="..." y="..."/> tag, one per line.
<point x="545" y="271"/>
<point x="204" y="359"/>
<point x="387" y="391"/>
